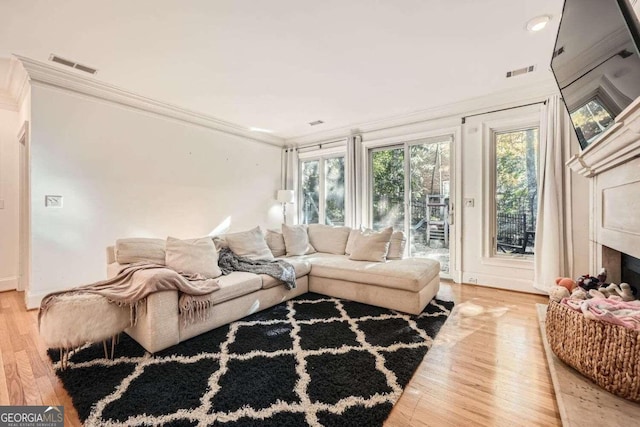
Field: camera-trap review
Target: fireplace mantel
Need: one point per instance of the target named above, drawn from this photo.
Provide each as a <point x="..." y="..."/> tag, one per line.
<point x="617" y="145"/>
<point x="612" y="165"/>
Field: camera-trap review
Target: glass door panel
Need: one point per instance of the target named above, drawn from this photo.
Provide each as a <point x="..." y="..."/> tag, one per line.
<point x="388" y="187"/>
<point x="429" y="165"/>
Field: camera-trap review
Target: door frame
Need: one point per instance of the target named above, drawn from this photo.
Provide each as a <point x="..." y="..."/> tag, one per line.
<point x="455" y="201"/>
<point x="24" y="209"/>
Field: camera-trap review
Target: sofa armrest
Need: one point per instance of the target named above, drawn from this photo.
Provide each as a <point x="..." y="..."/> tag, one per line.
<point x="158" y="323"/>
<point x="111" y="254"/>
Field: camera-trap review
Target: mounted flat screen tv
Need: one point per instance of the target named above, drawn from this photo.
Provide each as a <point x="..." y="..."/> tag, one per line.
<point x="596" y="63"/>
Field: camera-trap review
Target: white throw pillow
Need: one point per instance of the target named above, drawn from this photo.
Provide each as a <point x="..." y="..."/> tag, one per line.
<point x="275" y="241"/>
<point x="140" y="249"/>
<point x="372" y="246"/>
<point x="296" y="240"/>
<point x="397" y="245"/>
<point x="193" y="256"/>
<point x="249" y="244"/>
<point x="328" y="239"/>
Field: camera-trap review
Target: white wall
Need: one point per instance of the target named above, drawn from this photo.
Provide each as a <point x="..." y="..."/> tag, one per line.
<point x="126" y="173"/>
<point x="9" y="199"/>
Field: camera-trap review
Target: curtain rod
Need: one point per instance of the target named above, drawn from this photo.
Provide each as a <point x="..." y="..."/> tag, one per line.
<point x="464" y="118"/>
<point x="318" y="145"/>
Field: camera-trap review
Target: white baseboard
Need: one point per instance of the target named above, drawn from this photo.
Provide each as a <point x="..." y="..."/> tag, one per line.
<point x="8" y="284"/>
<point x="33" y="299"/>
<point x="518" y="285"/>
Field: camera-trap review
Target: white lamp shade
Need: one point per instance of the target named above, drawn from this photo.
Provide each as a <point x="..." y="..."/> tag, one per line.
<point x="286" y="196"/>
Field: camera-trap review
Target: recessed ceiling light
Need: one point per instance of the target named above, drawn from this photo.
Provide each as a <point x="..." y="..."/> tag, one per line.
<point x="538" y="23"/>
<point x="260" y="130"/>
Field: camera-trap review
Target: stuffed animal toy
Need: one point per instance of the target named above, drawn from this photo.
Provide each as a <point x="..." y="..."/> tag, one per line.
<point x="557" y="293"/>
<point x="596" y="294"/>
<point x="587" y="282"/>
<point x="578" y="294"/>
<point x="566" y="282"/>
<point x="624" y="291"/>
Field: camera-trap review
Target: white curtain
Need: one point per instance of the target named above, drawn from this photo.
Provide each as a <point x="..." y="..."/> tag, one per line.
<point x="290" y="181"/>
<point x="353" y="181"/>
<point x="554" y="249"/>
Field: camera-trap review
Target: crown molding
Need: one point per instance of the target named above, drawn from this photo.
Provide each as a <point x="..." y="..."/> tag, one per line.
<point x="52" y="76"/>
<point x="497" y="100"/>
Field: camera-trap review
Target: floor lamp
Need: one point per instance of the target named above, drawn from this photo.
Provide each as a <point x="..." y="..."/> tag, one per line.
<point x="284" y="197"/>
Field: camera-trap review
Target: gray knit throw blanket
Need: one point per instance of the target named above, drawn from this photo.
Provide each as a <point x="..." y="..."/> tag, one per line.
<point x="279" y="269"/>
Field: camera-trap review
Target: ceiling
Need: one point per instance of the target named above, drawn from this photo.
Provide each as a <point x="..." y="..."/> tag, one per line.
<point x="281" y="64"/>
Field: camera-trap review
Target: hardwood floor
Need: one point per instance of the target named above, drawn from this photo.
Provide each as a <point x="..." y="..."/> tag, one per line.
<point x="486" y="368"/>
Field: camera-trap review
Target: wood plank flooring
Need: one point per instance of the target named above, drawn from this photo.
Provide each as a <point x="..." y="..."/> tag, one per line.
<point x="486" y="368"/>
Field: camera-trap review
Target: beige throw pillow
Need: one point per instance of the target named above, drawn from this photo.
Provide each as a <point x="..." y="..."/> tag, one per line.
<point x="193" y="256"/>
<point x="372" y="246"/>
<point x="275" y="241"/>
<point x="353" y="234"/>
<point x="397" y="245"/>
<point x="296" y="240"/>
<point x="328" y="239"/>
<point x="140" y="249"/>
<point x="249" y="244"/>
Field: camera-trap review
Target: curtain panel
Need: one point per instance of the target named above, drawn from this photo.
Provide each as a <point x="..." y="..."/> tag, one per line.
<point x="554" y="247"/>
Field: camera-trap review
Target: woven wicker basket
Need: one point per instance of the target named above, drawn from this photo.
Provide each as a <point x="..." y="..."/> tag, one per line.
<point x="607" y="354"/>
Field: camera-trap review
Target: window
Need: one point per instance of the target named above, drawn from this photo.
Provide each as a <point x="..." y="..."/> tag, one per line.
<point x="322" y="191"/>
<point x="591" y="120"/>
<point x="516" y="191"/>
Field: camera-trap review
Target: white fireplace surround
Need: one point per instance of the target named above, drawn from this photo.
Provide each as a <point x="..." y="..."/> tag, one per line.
<point x="612" y="164"/>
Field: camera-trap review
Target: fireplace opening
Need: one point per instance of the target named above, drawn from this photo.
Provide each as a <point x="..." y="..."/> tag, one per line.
<point x="630" y="271"/>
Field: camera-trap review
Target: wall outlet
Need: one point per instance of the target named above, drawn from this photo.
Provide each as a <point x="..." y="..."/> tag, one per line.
<point x="53" y="201"/>
<point x="472" y="280"/>
<point x="469" y="202"/>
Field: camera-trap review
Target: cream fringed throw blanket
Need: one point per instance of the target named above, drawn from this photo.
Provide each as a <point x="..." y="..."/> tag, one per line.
<point x="135" y="282"/>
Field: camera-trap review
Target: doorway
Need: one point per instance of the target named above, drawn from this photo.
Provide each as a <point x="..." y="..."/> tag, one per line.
<point x="411" y="190"/>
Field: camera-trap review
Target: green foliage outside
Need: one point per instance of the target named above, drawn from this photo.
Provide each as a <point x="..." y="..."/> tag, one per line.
<point x="334" y="180"/>
<point x="429" y="171"/>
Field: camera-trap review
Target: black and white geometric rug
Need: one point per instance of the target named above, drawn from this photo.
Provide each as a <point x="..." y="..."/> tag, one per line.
<point x="314" y="360"/>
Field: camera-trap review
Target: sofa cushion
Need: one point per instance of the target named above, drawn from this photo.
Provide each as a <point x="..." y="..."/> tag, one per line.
<point x="372" y="246"/>
<point x="397" y="245"/>
<point x="275" y="241"/>
<point x="301" y="266"/>
<point x="140" y="249"/>
<point x="328" y="239"/>
<point x="235" y="285"/>
<point x="193" y="256"/>
<point x="249" y="244"/>
<point x="296" y="240"/>
<point x="410" y="274"/>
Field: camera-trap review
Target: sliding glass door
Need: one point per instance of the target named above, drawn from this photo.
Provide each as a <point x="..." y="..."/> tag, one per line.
<point x="411" y="191"/>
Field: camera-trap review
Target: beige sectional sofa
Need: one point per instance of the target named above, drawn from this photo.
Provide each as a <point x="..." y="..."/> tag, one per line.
<point x="401" y="284"/>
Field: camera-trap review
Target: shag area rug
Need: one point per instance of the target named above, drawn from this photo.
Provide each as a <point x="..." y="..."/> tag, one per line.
<point x="313" y="360"/>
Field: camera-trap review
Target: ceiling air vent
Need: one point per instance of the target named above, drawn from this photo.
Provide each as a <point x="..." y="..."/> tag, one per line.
<point x="315" y="123"/>
<point x="68" y="63"/>
<point x="521" y="71"/>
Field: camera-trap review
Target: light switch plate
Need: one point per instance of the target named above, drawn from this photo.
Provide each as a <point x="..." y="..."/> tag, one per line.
<point x="51" y="201"/>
